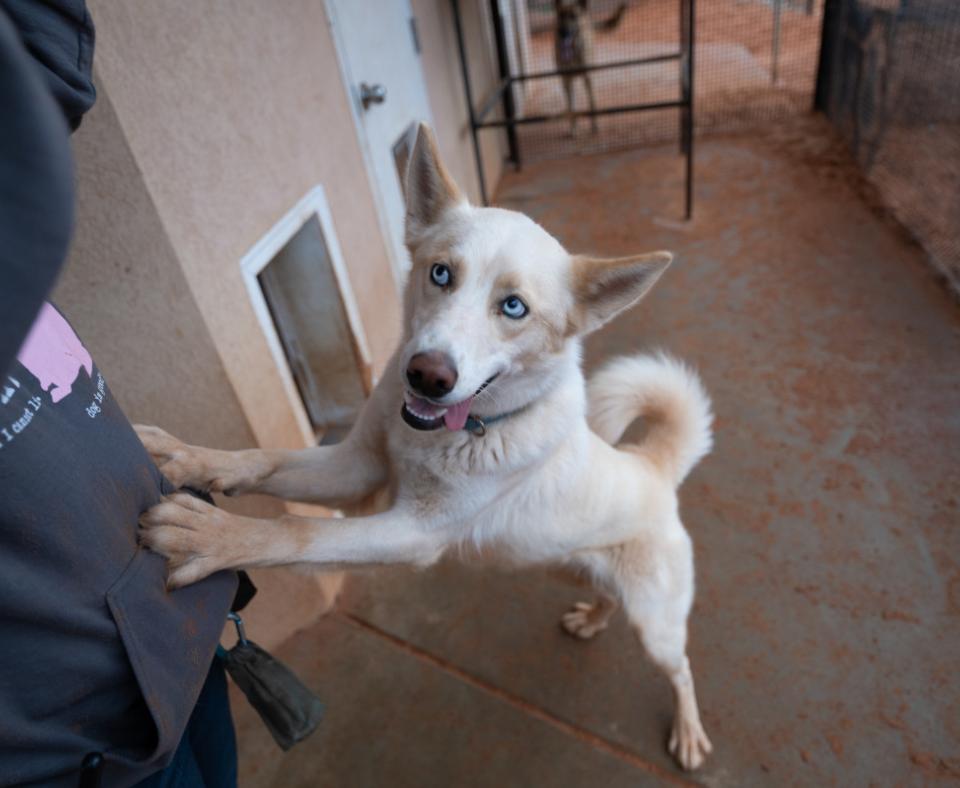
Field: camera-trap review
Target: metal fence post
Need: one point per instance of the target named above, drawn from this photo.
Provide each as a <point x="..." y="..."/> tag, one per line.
<point x="468" y="91"/>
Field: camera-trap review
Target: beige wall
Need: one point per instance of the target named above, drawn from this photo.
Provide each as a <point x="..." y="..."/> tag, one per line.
<point x="441" y="66"/>
<point x="233" y="111"/>
<point x="125" y="290"/>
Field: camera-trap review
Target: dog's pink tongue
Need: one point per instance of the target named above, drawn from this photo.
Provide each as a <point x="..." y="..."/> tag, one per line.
<point x="456" y="415"/>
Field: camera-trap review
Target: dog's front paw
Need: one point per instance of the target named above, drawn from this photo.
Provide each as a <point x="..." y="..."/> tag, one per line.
<point x="180" y="463"/>
<point x="196" y="538"/>
<point x="585" y="620"/>
<point x="689" y="743"/>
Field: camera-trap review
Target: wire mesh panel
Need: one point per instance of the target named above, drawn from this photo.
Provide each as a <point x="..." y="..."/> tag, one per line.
<point x="575" y="60"/>
<point x="891" y="83"/>
<point x="755" y="60"/>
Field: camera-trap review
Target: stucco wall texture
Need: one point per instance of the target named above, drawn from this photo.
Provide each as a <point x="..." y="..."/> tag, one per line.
<point x="234" y="111"/>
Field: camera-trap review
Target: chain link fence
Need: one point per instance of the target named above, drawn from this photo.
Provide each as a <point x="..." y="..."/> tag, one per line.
<point x="755" y="61"/>
<point x="890" y="83"/>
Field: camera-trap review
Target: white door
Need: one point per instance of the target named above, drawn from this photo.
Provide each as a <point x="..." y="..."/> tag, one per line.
<point x="378" y="50"/>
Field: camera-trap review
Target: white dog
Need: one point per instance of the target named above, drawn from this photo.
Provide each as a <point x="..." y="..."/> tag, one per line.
<point x="483" y="435"/>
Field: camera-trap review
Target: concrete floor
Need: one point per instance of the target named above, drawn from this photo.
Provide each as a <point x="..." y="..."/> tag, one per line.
<point x="825" y="636"/>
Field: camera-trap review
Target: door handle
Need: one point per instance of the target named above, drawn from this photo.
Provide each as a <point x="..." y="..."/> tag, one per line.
<point x="372" y="94"/>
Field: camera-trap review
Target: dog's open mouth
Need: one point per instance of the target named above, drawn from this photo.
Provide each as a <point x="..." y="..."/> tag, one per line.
<point x="423" y="414"/>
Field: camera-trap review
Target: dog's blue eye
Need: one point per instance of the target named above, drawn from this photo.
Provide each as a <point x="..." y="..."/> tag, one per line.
<point x="440" y="275"/>
<point x="513" y="307"/>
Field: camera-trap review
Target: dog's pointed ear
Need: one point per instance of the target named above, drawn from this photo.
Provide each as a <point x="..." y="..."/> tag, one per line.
<point x="431" y="191"/>
<point x="604" y="288"/>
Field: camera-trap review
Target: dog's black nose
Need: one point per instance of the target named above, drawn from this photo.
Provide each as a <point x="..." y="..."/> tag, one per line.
<point x="432" y="374"/>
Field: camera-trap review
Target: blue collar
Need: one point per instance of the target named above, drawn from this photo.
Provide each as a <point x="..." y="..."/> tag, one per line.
<point x="478" y="426"/>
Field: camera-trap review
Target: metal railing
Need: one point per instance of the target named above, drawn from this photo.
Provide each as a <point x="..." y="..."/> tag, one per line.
<point x="503" y="95"/>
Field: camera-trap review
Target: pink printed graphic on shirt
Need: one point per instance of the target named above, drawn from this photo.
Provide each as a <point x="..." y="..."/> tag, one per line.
<point x="54" y="353"/>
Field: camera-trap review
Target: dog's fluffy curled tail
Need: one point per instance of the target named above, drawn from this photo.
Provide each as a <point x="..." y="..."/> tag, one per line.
<point x="668" y="395"/>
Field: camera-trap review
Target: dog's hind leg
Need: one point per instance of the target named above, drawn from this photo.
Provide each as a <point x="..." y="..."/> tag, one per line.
<point x="586" y="619"/>
<point x="657" y="606"/>
<point x="664" y="641"/>
<point x="588" y="84"/>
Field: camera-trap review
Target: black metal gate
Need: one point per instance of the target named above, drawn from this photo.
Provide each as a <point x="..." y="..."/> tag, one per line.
<point x="512" y="118"/>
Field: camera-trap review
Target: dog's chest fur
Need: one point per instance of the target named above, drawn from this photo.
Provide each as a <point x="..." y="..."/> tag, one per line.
<point x="503" y="487"/>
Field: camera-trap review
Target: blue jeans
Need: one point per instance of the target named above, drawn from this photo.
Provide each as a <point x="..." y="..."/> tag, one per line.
<point x="207" y="755"/>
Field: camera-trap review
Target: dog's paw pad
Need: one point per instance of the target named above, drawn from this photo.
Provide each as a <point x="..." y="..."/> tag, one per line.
<point x="689" y="744"/>
<point x="583" y="621"/>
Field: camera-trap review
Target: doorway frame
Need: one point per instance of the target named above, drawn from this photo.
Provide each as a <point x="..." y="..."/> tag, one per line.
<point x="313" y="204"/>
<point x="350" y="84"/>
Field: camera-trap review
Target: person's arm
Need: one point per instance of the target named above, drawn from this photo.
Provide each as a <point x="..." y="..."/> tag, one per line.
<point x="36" y="170"/>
